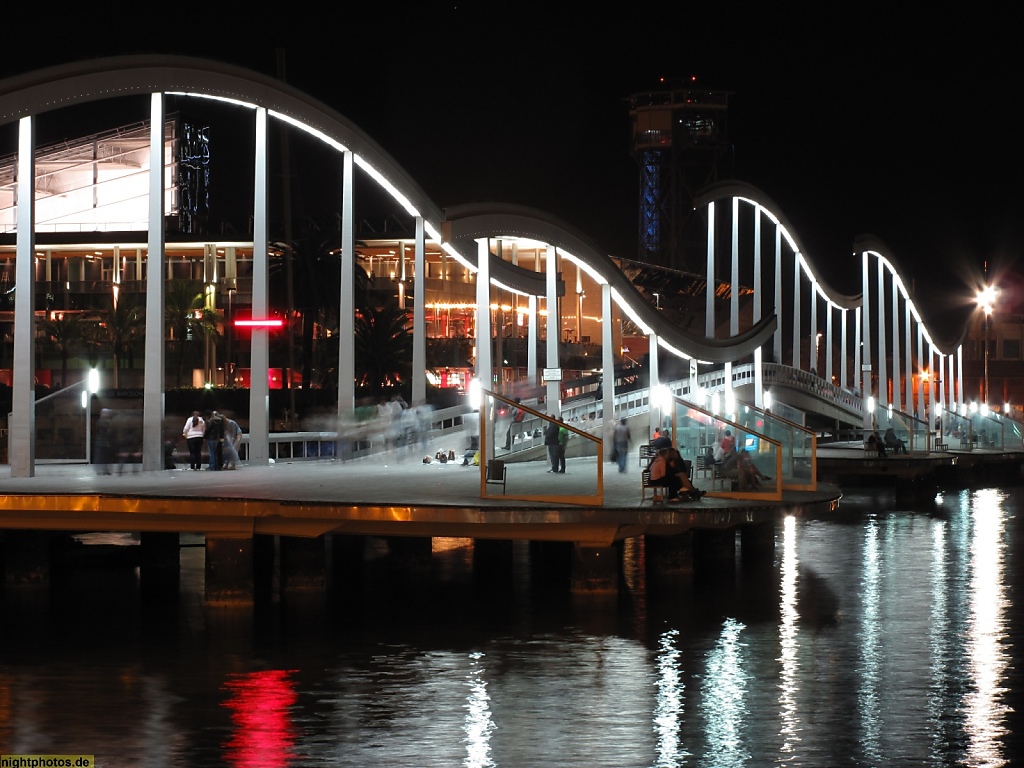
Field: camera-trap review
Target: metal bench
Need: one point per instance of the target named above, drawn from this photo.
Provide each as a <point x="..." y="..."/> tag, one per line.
<point x="645" y="454"/>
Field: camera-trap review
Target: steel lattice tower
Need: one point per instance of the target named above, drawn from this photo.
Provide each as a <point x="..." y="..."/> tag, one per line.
<point x="679" y="137"/>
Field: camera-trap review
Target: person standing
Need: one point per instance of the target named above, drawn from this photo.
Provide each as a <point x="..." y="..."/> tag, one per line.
<point x="194" y="432"/>
<point x="622" y="440"/>
<point x="214" y="437"/>
<point x="563" y="441"/>
<point x="551" y="441"/>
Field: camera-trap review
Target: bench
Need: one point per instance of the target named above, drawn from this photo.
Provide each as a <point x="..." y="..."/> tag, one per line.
<point x="941" y="447"/>
<point x="705" y="466"/>
<point x="645" y="454"/>
<point x="496" y="471"/>
<point x="657" y="491"/>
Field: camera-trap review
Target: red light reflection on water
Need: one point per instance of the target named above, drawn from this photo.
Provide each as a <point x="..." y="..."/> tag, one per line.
<point x="259" y="704"/>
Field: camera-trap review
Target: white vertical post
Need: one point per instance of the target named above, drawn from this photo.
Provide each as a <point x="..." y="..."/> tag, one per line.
<point x="812" y="352"/>
<point x="865" y="324"/>
<point x="883" y="374"/>
<point x="554" y="388"/>
<point x="777" y="336"/>
<point x="153" y="382"/>
<point x="709" y="290"/>
<point x="259" y="387"/>
<point x="22" y="445"/>
<point x="843" y="349"/>
<point x="960" y="373"/>
<point x="346" y="300"/>
<point x="484" y="364"/>
<point x="797" y="299"/>
<point x="734" y="279"/>
<point x="758" y="291"/>
<point x="896" y="398"/>
<point x="419" y="318"/>
<point x="607" y="358"/>
<point x="654" y="413"/>
<point x="922" y="367"/>
<point x="908" y="360"/>
<point x="531" y="341"/>
<point x="828" y="341"/>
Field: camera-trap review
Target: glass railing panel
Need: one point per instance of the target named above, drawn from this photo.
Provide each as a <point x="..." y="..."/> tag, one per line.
<point x="987" y="432"/>
<point x="912" y="432"/>
<point x="754" y="471"/>
<point x="526" y="454"/>
<point x="957" y="431"/>
<point x="798" y="444"/>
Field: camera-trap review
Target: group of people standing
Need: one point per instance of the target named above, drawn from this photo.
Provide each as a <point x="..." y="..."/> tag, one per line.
<point x="221" y="436"/>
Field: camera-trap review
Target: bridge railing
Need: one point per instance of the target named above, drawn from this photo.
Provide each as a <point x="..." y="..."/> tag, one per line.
<point x="696" y="430"/>
<point x="775" y="373"/>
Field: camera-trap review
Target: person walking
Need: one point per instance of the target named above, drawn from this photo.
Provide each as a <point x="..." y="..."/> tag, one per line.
<point x="622" y="440"/>
<point x="518" y="414"/>
<point x="194" y="432"/>
<point x="551" y="441"/>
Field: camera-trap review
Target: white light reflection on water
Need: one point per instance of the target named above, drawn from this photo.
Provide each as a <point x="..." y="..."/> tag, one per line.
<point x="668" y="708"/>
<point x="870" y="642"/>
<point x="724" y="707"/>
<point x="939" y="636"/>
<point x="788" y="641"/>
<point x="478" y="724"/>
<point x="984" y="708"/>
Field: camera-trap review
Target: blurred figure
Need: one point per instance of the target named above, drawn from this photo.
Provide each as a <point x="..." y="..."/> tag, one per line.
<point x="232" y="439"/>
<point x="103" y="457"/>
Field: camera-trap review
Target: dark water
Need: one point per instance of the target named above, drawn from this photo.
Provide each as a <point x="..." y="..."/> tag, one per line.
<point x="880" y="637"/>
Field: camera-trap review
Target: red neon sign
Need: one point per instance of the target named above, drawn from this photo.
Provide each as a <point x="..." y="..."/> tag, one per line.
<point x="254" y="323"/>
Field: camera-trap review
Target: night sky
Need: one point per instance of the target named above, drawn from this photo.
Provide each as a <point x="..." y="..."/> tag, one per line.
<point x="904" y="129"/>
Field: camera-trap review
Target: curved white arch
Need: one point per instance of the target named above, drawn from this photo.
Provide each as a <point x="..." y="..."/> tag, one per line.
<point x="465" y="224"/>
<point x="106" y="78"/>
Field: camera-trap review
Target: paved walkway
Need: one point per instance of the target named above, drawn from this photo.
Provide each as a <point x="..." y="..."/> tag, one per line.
<point x="380" y="480"/>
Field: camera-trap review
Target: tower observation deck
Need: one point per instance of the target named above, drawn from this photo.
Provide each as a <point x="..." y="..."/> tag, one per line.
<point x="679" y="136"/>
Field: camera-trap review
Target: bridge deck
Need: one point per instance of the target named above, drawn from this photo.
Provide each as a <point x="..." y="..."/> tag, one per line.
<point x="388" y="496"/>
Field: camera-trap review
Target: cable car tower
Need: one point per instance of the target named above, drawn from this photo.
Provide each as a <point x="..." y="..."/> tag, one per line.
<point x="679" y="135"/>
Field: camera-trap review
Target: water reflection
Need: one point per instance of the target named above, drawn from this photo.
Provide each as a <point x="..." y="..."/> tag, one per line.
<point x="789" y="647"/>
<point x="870" y="646"/>
<point x="668" y="707"/>
<point x="985" y="709"/>
<point x="724" y="709"/>
<point x="758" y="668"/>
<point x="260" y="705"/>
<point x="478" y="718"/>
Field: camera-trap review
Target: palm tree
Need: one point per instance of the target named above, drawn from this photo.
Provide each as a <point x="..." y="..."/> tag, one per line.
<point x="66" y="335"/>
<point x="383" y="348"/>
<point x="183" y="302"/>
<point x="121" y="322"/>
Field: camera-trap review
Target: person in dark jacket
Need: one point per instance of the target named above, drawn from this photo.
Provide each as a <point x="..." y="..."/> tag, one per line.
<point x="214" y="437"/>
<point x="551" y="441"/>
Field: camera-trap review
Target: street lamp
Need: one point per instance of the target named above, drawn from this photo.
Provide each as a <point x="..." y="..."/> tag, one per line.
<point x="986" y="301"/>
